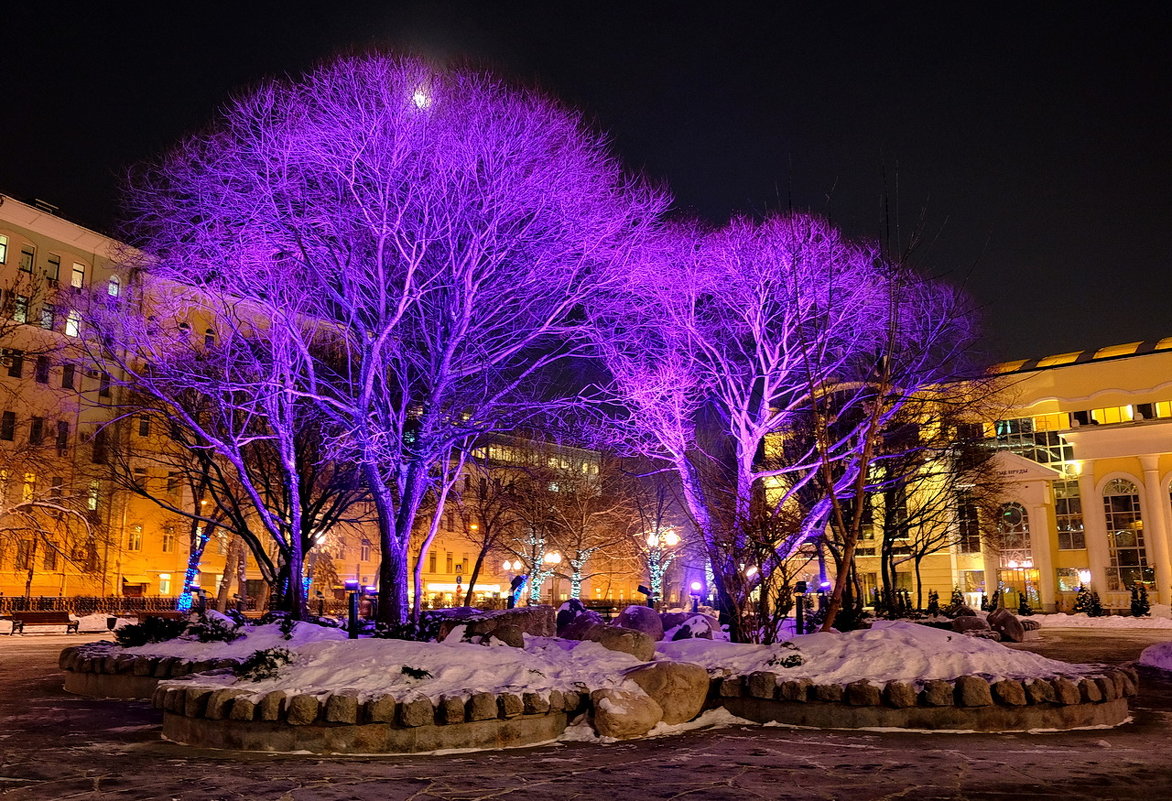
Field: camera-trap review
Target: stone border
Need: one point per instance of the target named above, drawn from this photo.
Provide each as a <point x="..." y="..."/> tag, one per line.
<point x="342" y="722"/>
<point x="969" y="703"/>
<point x="96" y="671"/>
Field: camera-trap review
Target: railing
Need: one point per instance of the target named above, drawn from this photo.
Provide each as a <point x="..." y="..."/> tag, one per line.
<point x="82" y="605"/>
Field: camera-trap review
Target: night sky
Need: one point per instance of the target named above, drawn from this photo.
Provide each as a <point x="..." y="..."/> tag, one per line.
<point x="1029" y="141"/>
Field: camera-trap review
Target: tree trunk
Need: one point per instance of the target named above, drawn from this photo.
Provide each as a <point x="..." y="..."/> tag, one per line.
<point x="242" y="577"/>
<point x="474" y="576"/>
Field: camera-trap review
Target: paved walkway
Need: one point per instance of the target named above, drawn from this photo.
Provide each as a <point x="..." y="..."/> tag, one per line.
<point x="56" y="746"/>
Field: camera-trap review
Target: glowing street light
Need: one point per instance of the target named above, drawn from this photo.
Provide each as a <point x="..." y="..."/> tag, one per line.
<point x="421" y="99"/>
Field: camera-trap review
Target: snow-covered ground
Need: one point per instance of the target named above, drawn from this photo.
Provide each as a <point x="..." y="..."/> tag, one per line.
<point x="1161" y="618"/>
<point x="255" y="638"/>
<point x="87" y="624"/>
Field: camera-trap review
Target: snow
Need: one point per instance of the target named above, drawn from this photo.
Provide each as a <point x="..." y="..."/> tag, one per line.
<point x="1157" y="656"/>
<point x="1161" y="618"/>
<point x="256" y="638"/>
<point x="889" y="651"/>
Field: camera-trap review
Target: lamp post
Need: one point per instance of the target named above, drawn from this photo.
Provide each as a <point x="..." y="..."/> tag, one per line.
<point x="697" y="587"/>
<point x="354" y="588"/>
<point x="800" y="614"/>
<point x="513" y="570"/>
<point x="659" y="559"/>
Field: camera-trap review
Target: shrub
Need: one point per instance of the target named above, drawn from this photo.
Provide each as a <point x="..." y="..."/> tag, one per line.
<point x="214" y="629"/>
<point x="1023" y="607"/>
<point x="1140" y="605"/>
<point x="152" y="629"/>
<point x="264" y="664"/>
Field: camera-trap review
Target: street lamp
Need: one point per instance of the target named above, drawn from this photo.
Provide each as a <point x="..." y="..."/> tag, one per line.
<point x="696" y="588"/>
<point x="659" y="559"/>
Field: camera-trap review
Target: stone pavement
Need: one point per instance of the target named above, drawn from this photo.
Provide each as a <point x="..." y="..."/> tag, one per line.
<point x="56" y="746"/>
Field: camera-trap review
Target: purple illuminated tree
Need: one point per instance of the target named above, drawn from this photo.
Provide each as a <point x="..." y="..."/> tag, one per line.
<point x="727" y="347"/>
<point x="438" y="229"/>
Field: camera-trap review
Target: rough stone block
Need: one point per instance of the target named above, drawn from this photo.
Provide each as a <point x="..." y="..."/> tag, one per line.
<point x="63" y="657"/>
<point x="732" y="687"/>
<point x="175" y="700"/>
<point x="243" y="708"/>
<point x="481" y="706"/>
<point x="1009" y="693"/>
<point x="180" y="667"/>
<point x="1106" y="687"/>
<point x="342" y="707"/>
<point x="219" y="703"/>
<point x="830" y="693"/>
<point x="418" y="712"/>
<point x="302" y="710"/>
<point x="110" y="664"/>
<point x="144" y="666"/>
<point x="451" y="709"/>
<point x="557" y="701"/>
<point x="271" y="705"/>
<point x="938" y="693"/>
<point x="1089" y="691"/>
<point x="1040" y="691"/>
<point x="163" y="667"/>
<point x="863" y="693"/>
<point x="680" y="688"/>
<point x="380" y="709"/>
<point x="510" y="705"/>
<point x="574" y="702"/>
<point x="1130" y="685"/>
<point x="1066" y="691"/>
<point x="124" y="664"/>
<point x="627" y="641"/>
<point x="624" y="713"/>
<point x="900" y="694"/>
<point x="973" y="691"/>
<point x="510" y="635"/>
<point x="762" y="684"/>
<point x="196" y="702"/>
<point x="797" y="690"/>
<point x="159" y="697"/>
<point x="535" y="704"/>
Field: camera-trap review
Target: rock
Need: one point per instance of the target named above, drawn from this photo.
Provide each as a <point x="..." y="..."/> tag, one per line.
<point x="623" y="713"/>
<point x="110" y="665"/>
<point x="1130" y="685"/>
<point x="696" y="627"/>
<point x="830" y="693"/>
<point x="143" y="666"/>
<point x="797" y="690"/>
<point x="510" y="635"/>
<point x="451" y="709"/>
<point x="219" y="703"/>
<point x="1040" y="691"/>
<point x="1007" y="625"/>
<point x="196" y="701"/>
<point x="482" y="706"/>
<point x="984" y="634"/>
<point x="1107" y="688"/>
<point x="938" y="693"/>
<point x="761" y="684"/>
<point x="175" y="700"/>
<point x="580" y="626"/>
<point x="670" y="620"/>
<point x="64" y="656"/>
<point x="566" y="614"/>
<point x="1009" y="692"/>
<point x="965" y="611"/>
<point x="966" y="623"/>
<point x="641" y="618"/>
<point x="1030" y="625"/>
<point x="302" y="710"/>
<point x="680" y="688"/>
<point x="417" y="712"/>
<point x="535" y="703"/>
<point x="557" y="701"/>
<point x="1066" y="691"/>
<point x="163" y="667"/>
<point x="342" y="707"/>
<point x="124" y="663"/>
<point x="538" y="621"/>
<point x="1089" y="691"/>
<point x="271" y="705"/>
<point x="627" y="641"/>
<point x="242" y="709"/>
<point x="863" y="693"/>
<point x="732" y="687"/>
<point x="900" y="694"/>
<point x="180" y="667"/>
<point x="510" y="705"/>
<point x="973" y="691"/>
<point x="574" y="702"/>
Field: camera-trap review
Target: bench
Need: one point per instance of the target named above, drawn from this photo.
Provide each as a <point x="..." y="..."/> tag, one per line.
<point x="22" y="619"/>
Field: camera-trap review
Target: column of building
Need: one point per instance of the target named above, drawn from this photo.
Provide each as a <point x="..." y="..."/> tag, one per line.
<point x="1156" y="515"/>
<point x="1041" y="553"/>
<point x="1094" y="527"/>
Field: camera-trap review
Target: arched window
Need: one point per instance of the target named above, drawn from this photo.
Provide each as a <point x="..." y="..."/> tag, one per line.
<point x="1013" y="527"/>
<point x="1125" y="536"/>
<point x="209" y="338"/>
<point x="114" y="287"/>
<point x="184" y="330"/>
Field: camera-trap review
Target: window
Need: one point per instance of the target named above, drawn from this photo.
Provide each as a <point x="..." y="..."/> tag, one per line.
<point x="968" y="523"/>
<point x="184" y="330"/>
<point x="15" y="360"/>
<point x="168" y="539"/>
<point x="67" y="373"/>
<point x="1071" y="579"/>
<point x="113" y="287"/>
<point x="72" y="323"/>
<point x="93" y="496"/>
<point x="62" y="437"/>
<point x="48" y="316"/>
<point x="27" y="257"/>
<point x="209" y="338"/>
<point x="1014" y="527"/>
<point x="134" y="538"/>
<point x="173" y="482"/>
<point x="364" y="551"/>
<point x="24" y="555"/>
<point x="101" y="446"/>
<point x="448" y="563"/>
<point x="3" y="249"/>
<point x="144" y="426"/>
<point x="77" y="279"/>
<point x="56" y="488"/>
<point x="49" y="562"/>
<point x="104" y="386"/>
<point x="36" y="430"/>
<point x="28" y="487"/>
<point x="164" y="584"/>
<point x="1068" y="512"/>
<point x="41" y="373"/>
<point x="432" y="563"/>
<point x="53" y="269"/>
<point x="1128" y="563"/>
<point x="20" y="308"/>
<point x="8" y="426"/>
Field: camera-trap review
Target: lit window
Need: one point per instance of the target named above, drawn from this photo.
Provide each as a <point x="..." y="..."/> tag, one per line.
<point x="3" y="249"/>
<point x="77" y="279"/>
<point x="364" y="551"/>
<point x="28" y="489"/>
<point x="48" y="316"/>
<point x="164" y="584"/>
<point x="1068" y="512"/>
<point x="72" y="324"/>
<point x="20" y="309"/>
<point x="134" y="538"/>
<point x="168" y="539"/>
<point x="92" y="497"/>
<point x="113" y="287"/>
<point x="1128" y="563"/>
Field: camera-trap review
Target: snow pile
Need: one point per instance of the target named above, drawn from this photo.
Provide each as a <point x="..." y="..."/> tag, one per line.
<point x="403" y="668"/>
<point x="1157" y="656"/>
<point x="889" y="651"/>
<point x="1081" y="621"/>
<point x="256" y="638"/>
